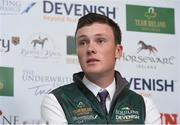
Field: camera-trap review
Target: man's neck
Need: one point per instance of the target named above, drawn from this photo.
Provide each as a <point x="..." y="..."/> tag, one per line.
<point x="102" y="80"/>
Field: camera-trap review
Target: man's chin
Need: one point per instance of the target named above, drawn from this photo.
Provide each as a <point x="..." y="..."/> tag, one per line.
<point x="92" y="72"/>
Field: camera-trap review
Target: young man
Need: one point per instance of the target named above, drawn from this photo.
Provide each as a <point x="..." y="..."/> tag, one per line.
<point x="99" y="94"/>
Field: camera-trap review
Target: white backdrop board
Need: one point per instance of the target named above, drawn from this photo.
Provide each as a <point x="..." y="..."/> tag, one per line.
<point x="37" y="51"/>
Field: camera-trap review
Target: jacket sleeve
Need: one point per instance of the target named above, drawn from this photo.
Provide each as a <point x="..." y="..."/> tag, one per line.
<point x="152" y="113"/>
<point x="51" y="111"/>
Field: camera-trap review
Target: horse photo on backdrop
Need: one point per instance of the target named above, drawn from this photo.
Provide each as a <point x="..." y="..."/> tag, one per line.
<point x="144" y="46"/>
<point x="39" y="41"/>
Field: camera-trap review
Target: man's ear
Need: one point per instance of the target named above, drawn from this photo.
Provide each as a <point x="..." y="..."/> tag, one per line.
<point x="119" y="49"/>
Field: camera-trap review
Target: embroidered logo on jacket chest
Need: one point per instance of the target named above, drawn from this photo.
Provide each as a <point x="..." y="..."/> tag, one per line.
<point x="82" y="109"/>
<point x="83" y="113"/>
<point x="126" y="114"/>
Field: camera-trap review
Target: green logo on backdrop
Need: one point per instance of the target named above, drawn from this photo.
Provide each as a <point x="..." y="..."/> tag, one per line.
<point x="6" y="81"/>
<point x="150" y="19"/>
<point x="71" y="45"/>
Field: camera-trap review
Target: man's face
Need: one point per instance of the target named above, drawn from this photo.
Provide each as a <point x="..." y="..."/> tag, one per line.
<point x="96" y="49"/>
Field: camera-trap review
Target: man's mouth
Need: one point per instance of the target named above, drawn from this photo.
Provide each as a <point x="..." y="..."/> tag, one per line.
<point x="92" y="60"/>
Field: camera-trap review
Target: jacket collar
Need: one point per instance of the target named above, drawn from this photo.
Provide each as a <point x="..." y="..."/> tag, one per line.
<point x="121" y="82"/>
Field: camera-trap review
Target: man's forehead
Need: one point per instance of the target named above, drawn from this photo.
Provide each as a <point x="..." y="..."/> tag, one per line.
<point x="96" y="28"/>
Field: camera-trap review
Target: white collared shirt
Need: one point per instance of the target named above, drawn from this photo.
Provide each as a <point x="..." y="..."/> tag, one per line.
<point x="95" y="89"/>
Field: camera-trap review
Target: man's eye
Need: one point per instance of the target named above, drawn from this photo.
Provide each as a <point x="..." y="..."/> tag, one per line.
<point x="101" y="41"/>
<point x="82" y="43"/>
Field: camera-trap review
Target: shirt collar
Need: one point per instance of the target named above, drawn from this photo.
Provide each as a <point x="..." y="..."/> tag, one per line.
<point x="95" y="88"/>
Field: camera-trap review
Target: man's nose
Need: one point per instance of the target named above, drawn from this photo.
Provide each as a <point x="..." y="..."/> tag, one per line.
<point x="91" y="47"/>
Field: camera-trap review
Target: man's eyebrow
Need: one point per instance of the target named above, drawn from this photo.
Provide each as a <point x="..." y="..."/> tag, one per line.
<point x="84" y="36"/>
<point x="81" y="36"/>
<point x="100" y="34"/>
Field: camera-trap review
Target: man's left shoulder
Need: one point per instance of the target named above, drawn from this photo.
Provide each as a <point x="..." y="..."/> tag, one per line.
<point x="134" y="94"/>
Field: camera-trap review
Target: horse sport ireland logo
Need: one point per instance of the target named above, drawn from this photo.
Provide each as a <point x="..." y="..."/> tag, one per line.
<point x="41" y="46"/>
<point x="144" y="46"/>
<point x="40" y="41"/>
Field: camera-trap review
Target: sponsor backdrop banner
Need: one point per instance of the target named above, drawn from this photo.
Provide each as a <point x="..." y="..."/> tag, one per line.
<point x="37" y="52"/>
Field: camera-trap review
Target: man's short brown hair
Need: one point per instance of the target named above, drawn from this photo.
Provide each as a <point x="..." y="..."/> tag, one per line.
<point x="91" y="18"/>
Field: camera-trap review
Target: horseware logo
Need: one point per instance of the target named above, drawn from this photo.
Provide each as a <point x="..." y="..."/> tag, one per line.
<point x="151" y="13"/>
<point x="40" y="41"/>
<point x="144" y="46"/>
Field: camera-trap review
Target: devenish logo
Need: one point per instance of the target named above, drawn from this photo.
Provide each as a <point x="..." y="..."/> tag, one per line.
<point x="76" y="9"/>
<point x="160" y="85"/>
